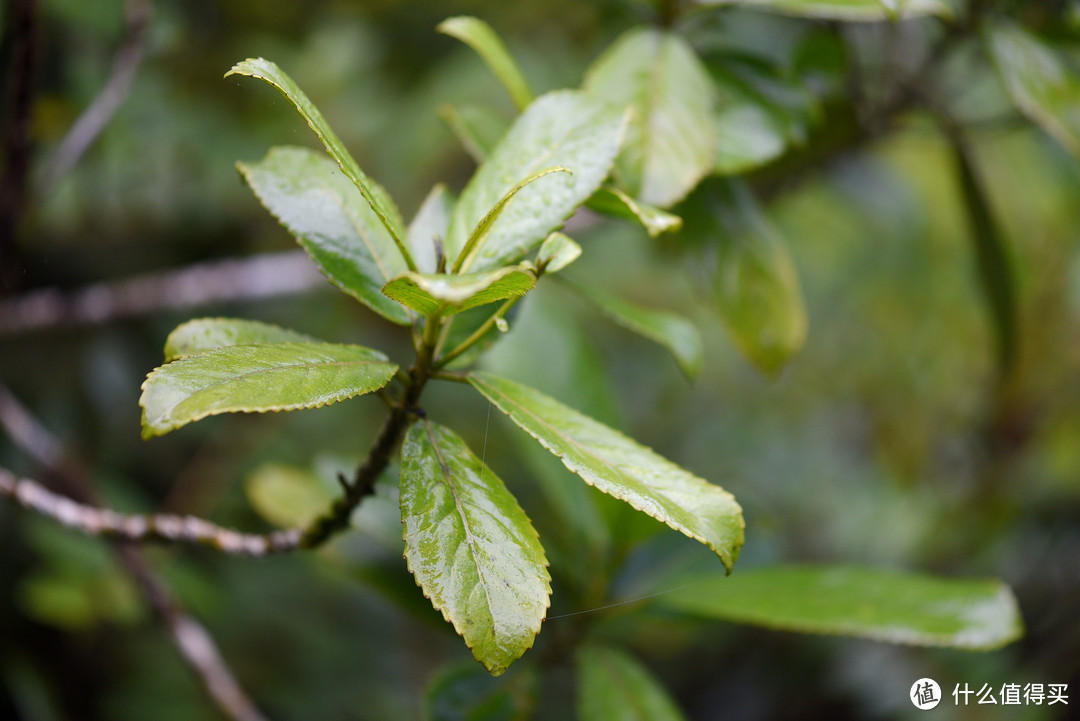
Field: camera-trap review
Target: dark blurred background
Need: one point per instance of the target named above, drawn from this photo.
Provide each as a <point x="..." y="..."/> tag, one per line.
<point x="891" y="439"/>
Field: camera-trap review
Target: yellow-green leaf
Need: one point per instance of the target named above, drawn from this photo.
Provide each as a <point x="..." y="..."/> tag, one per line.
<point x="612" y="686"/>
<point x="556" y="252"/>
<point x="609" y="200"/>
<point x="479" y="36"/>
<point x="621" y="467"/>
<point x="431" y="293"/>
<point x="256" y="379"/>
<point x="202" y="334"/>
<point x="864" y="602"/>
<point x="471" y="548"/>
<point x="669" y="145"/>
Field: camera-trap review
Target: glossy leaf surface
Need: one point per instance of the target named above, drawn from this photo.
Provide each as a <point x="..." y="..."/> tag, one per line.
<point x="437" y="292"/>
<point x="256" y="379"/>
<point x="202" y="334"/>
<point x="330" y="219"/>
<point x="557" y="252"/>
<point x="429" y="225"/>
<point x="478" y="35"/>
<point x="865" y="602"/>
<point x="472" y="549"/>
<point x="561" y="129"/>
<point x="674" y="332"/>
<point x="757" y="287"/>
<point x="669" y="145"/>
<point x="613" y="686"/>
<point x="1041" y="82"/>
<point x="375" y="196"/>
<point x="609" y="200"/>
<point x="621" y="467"/>
<point x="848" y="10"/>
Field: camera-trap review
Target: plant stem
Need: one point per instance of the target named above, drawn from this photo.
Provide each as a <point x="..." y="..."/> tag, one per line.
<point x="477" y="334"/>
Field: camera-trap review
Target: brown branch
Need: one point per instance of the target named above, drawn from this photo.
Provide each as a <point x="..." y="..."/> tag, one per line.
<point x="97" y="115"/>
<point x="260" y="276"/>
<point x="192" y="640"/>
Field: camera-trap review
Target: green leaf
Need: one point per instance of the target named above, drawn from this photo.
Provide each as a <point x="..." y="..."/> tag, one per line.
<point x="477" y="128"/>
<point x="440" y="293"/>
<point x="202" y="334"/>
<point x="622" y="468"/>
<point x="674" y="332"/>
<point x="375" y="196"/>
<point x="609" y="200"/>
<point x="1040" y="80"/>
<point x="612" y="686"/>
<point x="848" y="10"/>
<point x="479" y="36"/>
<point x="564" y="128"/>
<point x="863" y="602"/>
<point x="471" y="547"/>
<point x="991" y="256"/>
<point x="256" y="379"/>
<point x="747" y="136"/>
<point x="757" y="288"/>
<point x="669" y="146"/>
<point x="430" y="223"/>
<point x="482" y="230"/>
<point x="557" y="252"/>
<point x="331" y="221"/>
<point x="466" y="693"/>
<point x="287" y="496"/>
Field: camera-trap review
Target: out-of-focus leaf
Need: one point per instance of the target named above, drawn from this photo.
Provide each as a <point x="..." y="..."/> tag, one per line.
<point x="848" y="10"/>
<point x="477" y="128"/>
<point x="440" y="293"/>
<point x="757" y="288"/>
<point x="747" y="136"/>
<point x="609" y="200"/>
<point x="375" y="196"/>
<point x="669" y="146"/>
<point x="1043" y="85"/>
<point x="671" y="330"/>
<point x="466" y="693"/>
<point x="864" y="602"/>
<point x="479" y="36"/>
<point x="202" y="334"/>
<point x="256" y="379"/>
<point x="557" y="252"/>
<point x="330" y="219"/>
<point x="622" y="468"/>
<point x="471" y="547"/>
<point x="991" y="256"/>
<point x="612" y="686"/>
<point x="287" y="496"/>
<point x="565" y="129"/>
<point x="430" y="223"/>
<point x="479" y="236"/>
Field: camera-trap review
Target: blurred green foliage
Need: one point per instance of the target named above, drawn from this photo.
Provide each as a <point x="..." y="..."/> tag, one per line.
<point x="893" y="438"/>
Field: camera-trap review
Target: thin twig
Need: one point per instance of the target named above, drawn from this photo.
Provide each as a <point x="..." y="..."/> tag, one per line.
<point x="97" y="115"/>
<point x="192" y="640"/>
<point x="260" y="276"/>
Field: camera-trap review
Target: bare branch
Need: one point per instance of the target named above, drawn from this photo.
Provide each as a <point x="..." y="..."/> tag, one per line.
<point x="142" y="528"/>
<point x="192" y="640"/>
<point x="97" y="115"/>
<point x="260" y="276"/>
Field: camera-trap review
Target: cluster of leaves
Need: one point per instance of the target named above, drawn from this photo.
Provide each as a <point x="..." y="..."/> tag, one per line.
<point x="652" y="121"/>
